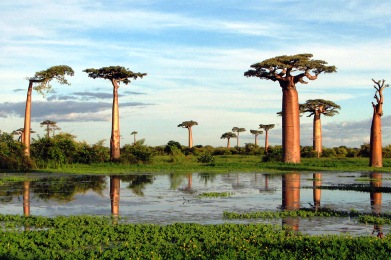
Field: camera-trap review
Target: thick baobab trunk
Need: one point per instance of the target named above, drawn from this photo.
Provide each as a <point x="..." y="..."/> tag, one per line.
<point x="375" y="196"/>
<point x="190" y="137"/>
<point x="237" y="140"/>
<point x="27" y="121"/>
<point x="266" y="141"/>
<point x="256" y="140"/>
<point x="290" y="125"/>
<point x="115" y="133"/>
<point x="114" y="194"/>
<point x="228" y="146"/>
<point x="376" y="158"/>
<point x="317" y="134"/>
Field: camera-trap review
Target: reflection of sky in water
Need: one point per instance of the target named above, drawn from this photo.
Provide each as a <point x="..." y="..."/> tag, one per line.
<point x="173" y="198"/>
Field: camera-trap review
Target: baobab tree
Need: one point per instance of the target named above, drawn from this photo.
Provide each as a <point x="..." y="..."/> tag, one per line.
<point x="117" y="75"/>
<point x="189" y="125"/>
<point x="134" y="133"/>
<point x="228" y="136"/>
<point x="266" y="128"/>
<point x="288" y="71"/>
<point x="256" y="133"/>
<point x="238" y="130"/>
<point x="375" y="146"/>
<point x="42" y="79"/>
<point x="51" y="126"/>
<point x="316" y="108"/>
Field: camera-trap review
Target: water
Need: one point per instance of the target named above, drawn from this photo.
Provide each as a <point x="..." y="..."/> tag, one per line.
<point x="170" y="198"/>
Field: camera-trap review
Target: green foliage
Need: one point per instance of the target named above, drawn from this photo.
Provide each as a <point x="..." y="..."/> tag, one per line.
<point x="86" y="237"/>
<point x="173" y="148"/>
<point x="215" y="194"/>
<point x="117" y="73"/>
<point x="308" y="152"/>
<point x="206" y="157"/>
<point x="11" y="154"/>
<point x="44" y="77"/>
<point x="252" y="149"/>
<point x="274" y="154"/>
<point x="138" y="153"/>
<point x="364" y="150"/>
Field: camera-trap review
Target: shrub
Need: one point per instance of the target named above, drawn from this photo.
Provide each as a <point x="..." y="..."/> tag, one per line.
<point x="137" y="153"/>
<point x="206" y="157"/>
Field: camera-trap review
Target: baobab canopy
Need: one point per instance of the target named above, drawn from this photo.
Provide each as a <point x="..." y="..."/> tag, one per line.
<point x="117" y="73"/>
<point x="281" y="67"/>
<point x="55" y="72"/>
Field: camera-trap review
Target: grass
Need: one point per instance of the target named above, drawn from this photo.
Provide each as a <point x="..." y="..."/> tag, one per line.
<point x="224" y="163"/>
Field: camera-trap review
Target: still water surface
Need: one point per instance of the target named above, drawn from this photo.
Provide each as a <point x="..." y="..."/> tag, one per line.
<point x="173" y="198"/>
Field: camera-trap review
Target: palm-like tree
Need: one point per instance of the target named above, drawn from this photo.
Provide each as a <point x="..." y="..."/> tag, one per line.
<point x="189" y="125"/>
<point x="116" y="75"/>
<point x="134" y="133"/>
<point x="375" y="146"/>
<point x="316" y="108"/>
<point x="20" y="133"/>
<point x="51" y="126"/>
<point x="228" y="136"/>
<point x="266" y="128"/>
<point x="288" y="71"/>
<point x="256" y="133"/>
<point x="238" y="130"/>
<point x="42" y="79"/>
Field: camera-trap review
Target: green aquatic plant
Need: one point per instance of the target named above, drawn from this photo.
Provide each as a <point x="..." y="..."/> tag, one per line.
<point x="215" y="194"/>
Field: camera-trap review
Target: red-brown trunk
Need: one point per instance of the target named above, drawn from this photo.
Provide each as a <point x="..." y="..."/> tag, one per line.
<point x="375" y="156"/>
<point x="190" y="137"/>
<point x="266" y="141"/>
<point x="376" y="196"/>
<point x="228" y="143"/>
<point x="256" y="140"/>
<point x="291" y="198"/>
<point x="290" y="125"/>
<point x="27" y="121"/>
<point x="317" y="192"/>
<point x="317" y="134"/>
<point x="115" y="146"/>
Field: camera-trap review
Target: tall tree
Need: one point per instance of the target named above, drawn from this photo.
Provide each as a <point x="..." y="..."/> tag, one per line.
<point x="316" y="108"/>
<point x="116" y="75"/>
<point x="238" y="130"/>
<point x="228" y="136"/>
<point x="375" y="146"/>
<point x="266" y="128"/>
<point x="134" y="133"/>
<point x="51" y="126"/>
<point x="288" y="71"/>
<point x="189" y="125"/>
<point x="256" y="133"/>
<point x="42" y="79"/>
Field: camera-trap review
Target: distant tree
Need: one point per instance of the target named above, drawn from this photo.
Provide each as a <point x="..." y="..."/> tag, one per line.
<point x="20" y="133"/>
<point x="375" y="145"/>
<point x="256" y="133"/>
<point x="316" y="108"/>
<point x="280" y="69"/>
<point x="134" y="133"/>
<point x="266" y="128"/>
<point x="238" y="130"/>
<point x="116" y="74"/>
<point x="189" y="125"/>
<point x="43" y="79"/>
<point x="50" y="126"/>
<point x="228" y="136"/>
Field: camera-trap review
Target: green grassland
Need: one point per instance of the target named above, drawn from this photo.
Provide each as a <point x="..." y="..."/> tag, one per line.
<point x="221" y="164"/>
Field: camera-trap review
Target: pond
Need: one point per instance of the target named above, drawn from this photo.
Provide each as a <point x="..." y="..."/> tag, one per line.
<point x="169" y="198"/>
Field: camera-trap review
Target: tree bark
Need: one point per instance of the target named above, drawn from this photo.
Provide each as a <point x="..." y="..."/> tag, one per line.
<point x="376" y="158"/>
<point x="317" y="134"/>
<point x="256" y="140"/>
<point x="228" y="143"/>
<point x="115" y="152"/>
<point x="290" y="124"/>
<point x="237" y="140"/>
<point x="266" y="141"/>
<point x="27" y="121"/>
<point x="190" y="137"/>
<point x="317" y="192"/>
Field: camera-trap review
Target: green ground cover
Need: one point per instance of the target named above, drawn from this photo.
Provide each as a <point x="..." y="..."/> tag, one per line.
<point x="222" y="163"/>
<point x="86" y="237"/>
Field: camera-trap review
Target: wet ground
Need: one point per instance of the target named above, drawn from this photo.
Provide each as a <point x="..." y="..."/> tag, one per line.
<point x="172" y="198"/>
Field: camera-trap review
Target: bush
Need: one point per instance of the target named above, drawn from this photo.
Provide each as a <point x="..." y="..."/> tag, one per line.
<point x="206" y="157"/>
<point x="274" y="154"/>
<point x="308" y="152"/>
<point x="137" y="153"/>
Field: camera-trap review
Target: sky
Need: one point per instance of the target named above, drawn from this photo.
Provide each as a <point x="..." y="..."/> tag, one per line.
<point x="195" y="53"/>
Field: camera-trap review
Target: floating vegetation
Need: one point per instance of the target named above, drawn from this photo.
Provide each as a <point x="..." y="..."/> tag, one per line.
<point x="86" y="237"/>
<point x="304" y="213"/>
<point x="215" y="194"/>
<point x="352" y="187"/>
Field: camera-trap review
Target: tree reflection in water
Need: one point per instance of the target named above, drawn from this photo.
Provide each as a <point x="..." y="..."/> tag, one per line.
<point x="376" y="200"/>
<point x="317" y="192"/>
<point x="291" y="198"/>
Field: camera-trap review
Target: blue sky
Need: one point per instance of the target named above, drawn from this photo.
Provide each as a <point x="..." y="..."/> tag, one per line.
<point x="195" y="54"/>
